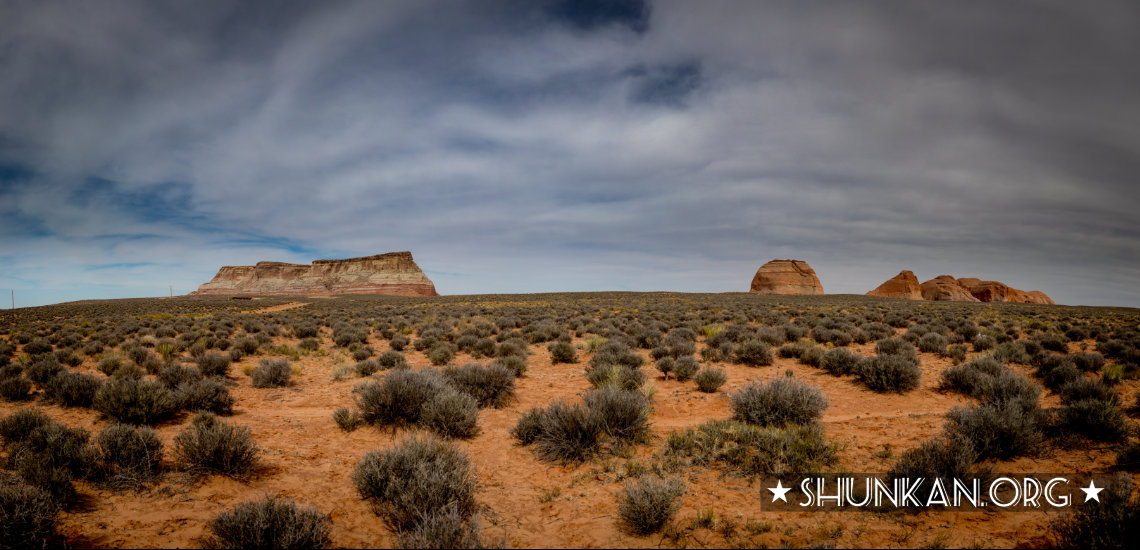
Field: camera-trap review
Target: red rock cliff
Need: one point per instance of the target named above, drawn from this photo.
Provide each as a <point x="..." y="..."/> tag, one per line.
<point x="394" y="273"/>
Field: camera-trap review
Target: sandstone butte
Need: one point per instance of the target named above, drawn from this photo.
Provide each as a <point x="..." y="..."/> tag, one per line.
<point x="904" y="285"/>
<point x="786" y="277"/>
<point x="394" y="273"/>
<point x="947" y="288"/>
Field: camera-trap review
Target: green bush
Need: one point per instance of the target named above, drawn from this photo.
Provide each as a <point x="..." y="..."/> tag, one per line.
<point x="133" y="401"/>
<point x="417" y="477"/>
<point x="210" y="445"/>
<point x="617" y="376"/>
<point x="513" y="363"/>
<point x="647" y="503"/>
<point x="440" y="354"/>
<point x="175" y="374"/>
<point x="932" y="342"/>
<point x="778" y="402"/>
<point x="665" y="366"/>
<point x="568" y="433"/>
<point x="51" y="456"/>
<point x="27" y="515"/>
<point x="710" y="379"/>
<point x="271" y="522"/>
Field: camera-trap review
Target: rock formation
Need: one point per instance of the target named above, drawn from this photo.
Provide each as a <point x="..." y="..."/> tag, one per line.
<point x="904" y="285"/>
<point x="947" y="288"/>
<point x="393" y="273"/>
<point x="786" y="277"/>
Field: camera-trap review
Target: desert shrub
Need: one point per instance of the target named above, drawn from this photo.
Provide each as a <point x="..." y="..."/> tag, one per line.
<point x="208" y="394"/>
<point x="896" y="346"/>
<point x="840" y="361"/>
<point x="1012" y="352"/>
<point x="16" y="427"/>
<point x="877" y="331"/>
<point x="11" y="371"/>
<point x="665" y="366"/>
<point x="983" y="342"/>
<point x="27" y="515"/>
<point x="133" y="401"/>
<point x="939" y="458"/>
<point x="15" y="388"/>
<point x="1128" y="458"/>
<point x="686" y="367"/>
<point x="130" y="371"/>
<point x="418" y="476"/>
<point x="513" y="363"/>
<point x="392" y="360"/>
<point x="247" y="345"/>
<point x="1055" y="377"/>
<point x="614" y="353"/>
<point x="529" y="426"/>
<point x="617" y="376"/>
<point x="346" y="419"/>
<point x="750" y="450"/>
<point x="368" y="367"/>
<point x="129" y="454"/>
<point x="214" y="364"/>
<point x="753" y="353"/>
<point x="44" y="368"/>
<point x="399" y="398"/>
<point x="1088" y="361"/>
<point x="272" y="522"/>
<point x="811" y="355"/>
<point x="1114" y="522"/>
<point x="272" y="373"/>
<point x="174" y="375"/>
<point x="889" y="373"/>
<point x="51" y="456"/>
<point x="210" y="445"/>
<point x="622" y="414"/>
<point x="309" y="344"/>
<point x="562" y="432"/>
<point x="710" y="379"/>
<point x="72" y="389"/>
<point x="398" y="342"/>
<point x="445" y="528"/>
<point x="37" y="347"/>
<point x="778" y="402"/>
<point x="986" y="379"/>
<point x="362" y="353"/>
<point x="998" y="430"/>
<point x="491" y="386"/>
<point x="451" y="414"/>
<point x="562" y="352"/>
<point x="648" y="503"/>
<point x="440" y="354"/>
<point x="1091" y="409"/>
<point x="932" y="342"/>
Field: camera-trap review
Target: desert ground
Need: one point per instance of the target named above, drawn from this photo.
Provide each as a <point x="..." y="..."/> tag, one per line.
<point x="525" y="500"/>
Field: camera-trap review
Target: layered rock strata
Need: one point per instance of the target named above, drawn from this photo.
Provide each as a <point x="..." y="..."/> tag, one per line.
<point x="904" y="285"/>
<point x="786" y="277"/>
<point x="394" y="273"/>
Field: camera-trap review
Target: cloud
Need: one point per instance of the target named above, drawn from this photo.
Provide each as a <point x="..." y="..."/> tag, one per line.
<point x="518" y="147"/>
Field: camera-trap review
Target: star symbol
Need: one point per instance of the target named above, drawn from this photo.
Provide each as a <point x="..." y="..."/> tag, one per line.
<point x="780" y="492"/>
<point x="1092" y="492"/>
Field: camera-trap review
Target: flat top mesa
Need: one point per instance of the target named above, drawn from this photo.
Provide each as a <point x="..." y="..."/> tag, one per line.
<point x="394" y="273"/>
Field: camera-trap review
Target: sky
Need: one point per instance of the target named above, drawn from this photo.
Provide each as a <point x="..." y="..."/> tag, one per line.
<point x="528" y="146"/>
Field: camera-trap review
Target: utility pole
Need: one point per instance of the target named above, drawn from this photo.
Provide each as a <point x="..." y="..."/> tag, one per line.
<point x="13" y="298"/>
<point x="171" y="291"/>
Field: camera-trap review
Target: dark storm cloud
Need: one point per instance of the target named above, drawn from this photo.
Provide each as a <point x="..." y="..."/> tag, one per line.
<point x="525" y="146"/>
